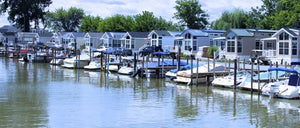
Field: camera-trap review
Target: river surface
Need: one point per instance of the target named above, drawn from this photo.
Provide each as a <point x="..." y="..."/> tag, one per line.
<point x="41" y="95"/>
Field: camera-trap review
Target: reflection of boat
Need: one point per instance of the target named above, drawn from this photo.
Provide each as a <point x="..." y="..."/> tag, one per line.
<point x="288" y="88"/>
<point x="263" y="79"/>
<point x="203" y="71"/>
<point x="228" y="81"/>
<point x="76" y="63"/>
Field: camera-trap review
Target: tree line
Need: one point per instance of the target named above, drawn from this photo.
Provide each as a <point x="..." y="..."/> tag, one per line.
<point x="273" y="14"/>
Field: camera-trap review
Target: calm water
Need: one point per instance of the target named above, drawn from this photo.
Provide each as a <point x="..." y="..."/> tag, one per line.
<point x="40" y="95"/>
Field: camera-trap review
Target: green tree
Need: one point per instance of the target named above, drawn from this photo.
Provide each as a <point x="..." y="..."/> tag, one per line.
<point x="23" y="12"/>
<point x="235" y="19"/>
<point x="64" y="20"/>
<point x="89" y="23"/>
<point x="189" y="12"/>
<point x="275" y="14"/>
<point x="147" y="22"/>
<point x="117" y="23"/>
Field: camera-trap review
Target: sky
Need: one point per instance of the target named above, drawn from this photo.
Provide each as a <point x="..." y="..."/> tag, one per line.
<point x="163" y="8"/>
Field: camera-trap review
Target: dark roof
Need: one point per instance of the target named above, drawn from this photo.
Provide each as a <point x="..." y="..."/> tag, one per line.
<point x="290" y="31"/>
<point x="78" y="34"/>
<point x="94" y="34"/>
<point x="9" y="29"/>
<point x="162" y="33"/>
<point x="241" y="32"/>
<point x="194" y="32"/>
<point x="138" y="34"/>
<point x="44" y="33"/>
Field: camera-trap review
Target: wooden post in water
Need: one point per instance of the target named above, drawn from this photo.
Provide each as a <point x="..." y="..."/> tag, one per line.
<point x="187" y="59"/>
<point x="162" y="70"/>
<point x="252" y="77"/>
<point x="101" y="61"/>
<point x="244" y="64"/>
<point x="258" y="75"/>
<point x="207" y="76"/>
<point x="197" y="71"/>
<point x="134" y="63"/>
<point x="235" y="70"/>
<point x="191" y="71"/>
<point x="276" y="70"/>
<point x="143" y="65"/>
<point x="214" y="66"/>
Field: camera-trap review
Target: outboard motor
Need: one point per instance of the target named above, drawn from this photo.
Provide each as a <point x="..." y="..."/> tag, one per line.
<point x="274" y="90"/>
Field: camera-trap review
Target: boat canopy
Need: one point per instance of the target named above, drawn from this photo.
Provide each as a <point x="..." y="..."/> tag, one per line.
<point x="295" y="63"/>
<point x="283" y="69"/>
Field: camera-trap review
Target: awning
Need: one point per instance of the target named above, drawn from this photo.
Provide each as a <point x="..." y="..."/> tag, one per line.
<point x="220" y="38"/>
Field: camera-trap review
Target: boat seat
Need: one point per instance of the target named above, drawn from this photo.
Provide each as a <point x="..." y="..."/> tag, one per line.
<point x="294" y="80"/>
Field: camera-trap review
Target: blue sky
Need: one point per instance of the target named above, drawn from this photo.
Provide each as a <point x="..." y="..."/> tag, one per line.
<point x="163" y="8"/>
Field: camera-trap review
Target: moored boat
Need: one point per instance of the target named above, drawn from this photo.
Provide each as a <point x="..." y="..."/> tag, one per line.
<point x="288" y="88"/>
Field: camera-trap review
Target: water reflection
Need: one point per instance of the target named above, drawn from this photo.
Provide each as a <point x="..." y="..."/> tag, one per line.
<point x="23" y="97"/>
<point x="40" y="95"/>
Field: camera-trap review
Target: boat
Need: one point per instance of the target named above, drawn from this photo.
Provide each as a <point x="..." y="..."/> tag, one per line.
<point x="203" y="71"/>
<point x="126" y="70"/>
<point x="170" y="75"/>
<point x="58" y="60"/>
<point x="263" y="80"/>
<point x="39" y="56"/>
<point x="228" y="81"/>
<point x="93" y="65"/>
<point x="74" y="62"/>
<point x="151" y="69"/>
<point x="288" y="89"/>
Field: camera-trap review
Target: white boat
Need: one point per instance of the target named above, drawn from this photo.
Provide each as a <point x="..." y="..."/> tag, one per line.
<point x="203" y="71"/>
<point x="126" y="70"/>
<point x="93" y="65"/>
<point x="228" y="81"/>
<point x="173" y="73"/>
<point x="288" y="88"/>
<point x="38" y="57"/>
<point x="263" y="80"/>
<point x="76" y="63"/>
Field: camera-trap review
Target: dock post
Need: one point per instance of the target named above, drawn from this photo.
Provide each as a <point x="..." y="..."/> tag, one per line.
<point x="187" y="59"/>
<point x="101" y="61"/>
<point x="162" y="70"/>
<point x="276" y="70"/>
<point x="134" y="63"/>
<point x="143" y="65"/>
<point x="197" y="71"/>
<point x="251" y="77"/>
<point x="192" y="71"/>
<point x="214" y="67"/>
<point x="235" y="70"/>
<point x="244" y="64"/>
<point x="53" y="57"/>
<point x="207" y="64"/>
<point x="258" y="75"/>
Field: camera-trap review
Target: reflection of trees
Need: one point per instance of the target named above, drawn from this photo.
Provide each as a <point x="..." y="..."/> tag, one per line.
<point x="26" y="95"/>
